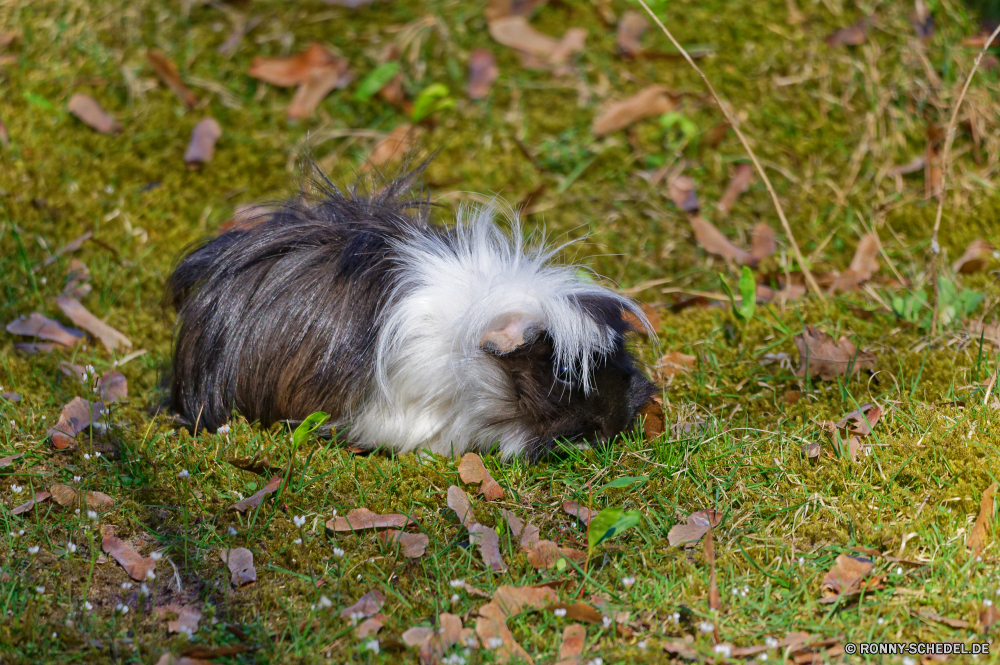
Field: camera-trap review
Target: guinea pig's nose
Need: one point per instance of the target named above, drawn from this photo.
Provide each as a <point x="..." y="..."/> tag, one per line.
<point x="602" y="438"/>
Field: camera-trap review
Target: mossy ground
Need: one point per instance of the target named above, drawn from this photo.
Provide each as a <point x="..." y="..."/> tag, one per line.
<point x="828" y="123"/>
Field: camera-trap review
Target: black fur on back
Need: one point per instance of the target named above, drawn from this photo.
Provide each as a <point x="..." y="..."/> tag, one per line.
<point x="279" y="319"/>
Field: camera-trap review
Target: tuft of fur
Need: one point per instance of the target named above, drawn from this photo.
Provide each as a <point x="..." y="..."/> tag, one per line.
<point x="409" y="334"/>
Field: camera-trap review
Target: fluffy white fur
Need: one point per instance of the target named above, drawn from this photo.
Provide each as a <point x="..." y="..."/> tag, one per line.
<point x="435" y="386"/>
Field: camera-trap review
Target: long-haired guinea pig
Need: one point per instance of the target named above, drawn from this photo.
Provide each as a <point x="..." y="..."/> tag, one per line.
<point x="408" y="333"/>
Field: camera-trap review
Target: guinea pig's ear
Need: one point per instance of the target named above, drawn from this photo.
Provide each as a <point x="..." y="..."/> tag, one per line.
<point x="509" y="333"/>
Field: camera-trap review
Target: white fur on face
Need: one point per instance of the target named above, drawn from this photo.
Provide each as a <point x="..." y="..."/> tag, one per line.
<point x="435" y="386"/>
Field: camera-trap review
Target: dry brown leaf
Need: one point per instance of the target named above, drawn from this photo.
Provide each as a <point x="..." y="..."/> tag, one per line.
<point x="571" y="649"/>
<point x="99" y="501"/>
<point x="472" y="470"/>
<point x="792" y="292"/>
<point x="458" y="501"/>
<point x="861" y="420"/>
<point x="201" y="148"/>
<point x="500" y="8"/>
<point x="988" y="331"/>
<point x="240" y="563"/>
<point x="75" y="417"/>
<point x="186" y="621"/>
<point x="844" y="579"/>
<point x="527" y="534"/>
<point x="671" y="364"/>
<point x="369" y="627"/>
<point x="713" y="242"/>
<point x="545" y="553"/>
<point x="683" y="192"/>
<point x="489" y="546"/>
<point x="698" y="524"/>
<point x="368" y="605"/>
<point x="319" y="83"/>
<point x="492" y="626"/>
<point x="574" y="509"/>
<point x="293" y="70"/>
<point x="538" y="50"/>
<point x="853" y="35"/>
<point x="650" y="101"/>
<point x="91" y="114"/>
<point x="77" y="278"/>
<point x="512" y="600"/>
<point x="988" y="617"/>
<point x="447" y="635"/>
<point x="79" y="315"/>
<point x="170" y="659"/>
<point x="739" y="183"/>
<point x="983" y="526"/>
<point x="948" y="621"/>
<point x="654" y="420"/>
<point x="168" y="73"/>
<point x="11" y="396"/>
<point x="137" y="567"/>
<point x="762" y="243"/>
<point x="112" y="387"/>
<point x="64" y="495"/>
<point x="416" y="636"/>
<point x="863" y="265"/>
<point x="7" y="461"/>
<point x="976" y="255"/>
<point x="258" y="465"/>
<point x="43" y="327"/>
<point x="482" y="73"/>
<point x="391" y="147"/>
<point x="32" y="349"/>
<point x="820" y="356"/>
<point x="631" y="27"/>
<point x="255" y="500"/>
<point x="413" y="544"/>
<point x="811" y="450"/>
<point x="362" y="518"/>
<point x="25" y="507"/>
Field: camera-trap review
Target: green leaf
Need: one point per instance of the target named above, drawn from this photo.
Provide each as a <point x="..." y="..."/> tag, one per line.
<point x="431" y="99"/>
<point x="748" y="289"/>
<point x="609" y="523"/>
<point x="376" y="80"/>
<point x="688" y="129"/>
<point x="307" y="427"/>
<point x="624" y="481"/>
<point x="38" y="100"/>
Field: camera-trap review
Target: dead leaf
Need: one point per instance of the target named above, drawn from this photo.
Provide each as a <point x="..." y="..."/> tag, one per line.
<point x="819" y="356"/>
<point x="500" y="8"/>
<point x="976" y="255"/>
<point x="77" y="278"/>
<point x="739" y="183"/>
<point x="948" y="621"/>
<point x="513" y="600"/>
<point x="571" y="649"/>
<point x="988" y="617"/>
<point x="259" y="465"/>
<point x="79" y="315"/>
<point x="88" y="111"/>
<point x="863" y="265"/>
<point x="240" y="563"/>
<point x="545" y="553"/>
<point x="293" y="70"/>
<point x="472" y="470"/>
<point x="491" y="628"/>
<point x="713" y="242"/>
<point x="362" y="518"/>
<point x="526" y="534"/>
<point x="933" y="173"/>
<point x="137" y="567"/>
<point x="414" y="544"/>
<point x="650" y="101"/>
<point x="447" y="635"/>
<point x="489" y="546"/>
<point x="7" y="461"/>
<point x="241" y="29"/>
<point x="853" y="35"/>
<point x="416" y="636"/>
<point x="671" y="364"/>
<point x="631" y="27"/>
<point x="574" y="509"/>
<point x="202" y="651"/>
<point x="25" y="507"/>
<point x="64" y="495"/>
<point x="654" y="420"/>
<point x="112" y="386"/>
<point x="369" y="627"/>
<point x="99" y="501"/>
<point x="538" y="50"/>
<point x="186" y="621"/>
<point x="922" y="20"/>
<point x="864" y="419"/>
<point x="168" y="73"/>
<point x="75" y="417"/>
<point x="320" y="82"/>
<point x="43" y="327"/>
<point x="845" y="578"/>
<point x="68" y="248"/>
<point x="255" y="500"/>
<point x="762" y="243"/>
<point x="12" y="397"/>
<point x="811" y="450"/>
<point x="368" y="605"/>
<point x="983" y="526"/>
<point x="698" y="524"/>
<point x="391" y="147"/>
<point x="459" y="502"/>
<point x="201" y="148"/>
<point x="988" y="331"/>
<point x="792" y="292"/>
<point x="170" y="659"/>
<point x="482" y="73"/>
<point x="32" y="349"/>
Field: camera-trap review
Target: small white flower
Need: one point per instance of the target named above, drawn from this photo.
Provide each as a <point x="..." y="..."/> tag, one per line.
<point x="356" y="617"/>
<point x="97" y="454"/>
<point x="899" y="570"/>
<point x="359" y="577"/>
<point x="71" y="546"/>
<point x="762" y="657"/>
<point x="224" y="429"/>
<point x="124" y="609"/>
<point x="642" y="644"/>
<point x="90" y="368"/>
<point x="561" y="612"/>
<point x="126" y="585"/>
<point x="607" y="622"/>
<point x="17" y="489"/>
<point x="299" y="520"/>
<point x="43" y="417"/>
<point x="881" y="621"/>
<point x="628" y="581"/>
<point x="87" y="605"/>
<point x="494" y="643"/>
<point x="455" y="598"/>
<point x="706" y="626"/>
<point x="675" y="617"/>
<point x="76" y="512"/>
<point x="909" y="661"/>
<point x="92" y="514"/>
<point x="297" y="541"/>
<point x="76" y="479"/>
<point x="33" y="549"/>
<point x="987" y="602"/>
<point x="802" y="561"/>
<point x="184" y="629"/>
<point x="232" y="531"/>
<point x="596" y="661"/>
<point x="935" y="246"/>
<point x="723" y="650"/>
<point x="150" y="575"/>
<point x="156" y="555"/>
<point x="337" y="552"/>
<point x="334" y="512"/>
<point x="183" y="474"/>
<point x="325" y="602"/>
<point x="86" y="456"/>
<point x="143" y="590"/>
<point x="44" y="280"/>
<point x="372" y="646"/>
<point x="39" y="589"/>
<point x="455" y="584"/>
<point x="736" y="591"/>
<point x="771" y="642"/>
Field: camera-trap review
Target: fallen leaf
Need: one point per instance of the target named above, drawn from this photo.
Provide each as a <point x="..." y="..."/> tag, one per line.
<point x="416" y="636"/>
<point x="25" y="507"/>
<point x="988" y="617"/>
<point x="240" y="563"/>
<point x="259" y="465"/>
<point x="472" y="470"/>
<point x="459" y="502"/>
<point x="654" y="420"/>
<point x="7" y="461"/>
<point x="75" y="417"/>
<point x="513" y="600"/>
<point x="820" y="356"/>
<point x="713" y="242"/>
<point x="369" y="627"/>
<point x="922" y="20"/>
<point x="32" y="349"/>
<point x="137" y="567"/>
<point x="414" y="544"/>
<point x="368" y="605"/>
<point x="762" y="243"/>
<point x="698" y="524"/>
<point x="671" y="364"/>
<point x="68" y="248"/>
<point x="447" y="635"/>
<point x="853" y="35"/>
<point x="168" y="73"/>
<point x="792" y="292"/>
<point x="320" y="82"/>
<point x="571" y="649"/>
<point x="864" y="419"/>
<point x="362" y="518"/>
<point x="88" y="111"/>
<point x="739" y="183"/>
<point x="988" y="331"/>
<point x="863" y="265"/>
<point x="650" y="101"/>
<point x="975" y="257"/>
<point x="391" y="147"/>
<point x="948" y="621"/>
<point x="201" y="148"/>
<point x="933" y="173"/>
<point x="112" y="386"/>
<point x="500" y="8"/>
<point x="574" y="509"/>
<point x="186" y="621"/>
<point x="255" y="500"/>
<point x="489" y="546"/>
<point x="99" y="501"/>
<point x="202" y="651"/>
<point x="77" y="278"/>
<point x="844" y="579"/>
<point x="811" y="450"/>
<point x="545" y="553"/>
<point x="526" y="534"/>
<point x="293" y="70"/>
<point x="482" y="73"/>
<point x="12" y="397"/>
<point x="538" y="50"/>
<point x="491" y="628"/>
<point x="79" y="315"/>
<point x="983" y="526"/>
<point x="43" y="327"/>
<point x="631" y="27"/>
<point x="240" y="30"/>
<point x="64" y="495"/>
<point x="170" y="659"/>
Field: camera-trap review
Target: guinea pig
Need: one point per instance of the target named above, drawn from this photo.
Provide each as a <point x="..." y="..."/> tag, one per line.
<point x="410" y="334"/>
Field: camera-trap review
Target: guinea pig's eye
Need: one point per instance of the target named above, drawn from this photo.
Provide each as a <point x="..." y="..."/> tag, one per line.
<point x="564" y="374"/>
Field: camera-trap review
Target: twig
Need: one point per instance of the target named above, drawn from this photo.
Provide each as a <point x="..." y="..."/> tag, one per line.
<point x="948" y="138"/>
<point x="746" y="145"/>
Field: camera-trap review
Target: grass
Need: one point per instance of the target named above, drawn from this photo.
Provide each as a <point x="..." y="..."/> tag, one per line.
<point x="827" y="123"/>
